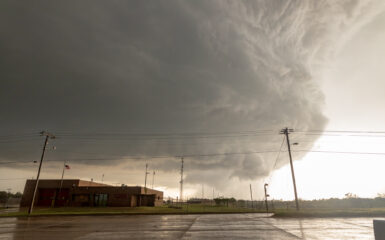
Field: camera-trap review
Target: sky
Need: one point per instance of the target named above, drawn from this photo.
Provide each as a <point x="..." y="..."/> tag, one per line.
<point x="125" y="83"/>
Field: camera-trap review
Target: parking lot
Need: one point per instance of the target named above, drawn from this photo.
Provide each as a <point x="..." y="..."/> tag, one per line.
<point x="209" y="226"/>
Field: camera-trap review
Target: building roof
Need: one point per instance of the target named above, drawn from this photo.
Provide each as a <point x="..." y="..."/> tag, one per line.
<point x="70" y="183"/>
<point x="67" y="182"/>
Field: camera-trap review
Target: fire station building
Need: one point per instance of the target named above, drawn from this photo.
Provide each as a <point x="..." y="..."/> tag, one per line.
<point x="80" y="193"/>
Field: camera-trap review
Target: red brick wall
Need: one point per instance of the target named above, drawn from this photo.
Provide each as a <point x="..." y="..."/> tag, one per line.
<point x="117" y="196"/>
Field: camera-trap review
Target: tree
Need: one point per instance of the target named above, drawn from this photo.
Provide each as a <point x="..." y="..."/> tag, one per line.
<point x="3" y="196"/>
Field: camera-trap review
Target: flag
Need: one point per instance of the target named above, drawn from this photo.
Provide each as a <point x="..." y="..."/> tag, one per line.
<point x="67" y="166"/>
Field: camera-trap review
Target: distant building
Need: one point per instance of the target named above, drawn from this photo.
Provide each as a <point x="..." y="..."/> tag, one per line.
<point x="79" y="193"/>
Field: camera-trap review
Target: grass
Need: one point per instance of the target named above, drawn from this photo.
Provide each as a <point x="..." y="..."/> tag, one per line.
<point x="196" y="209"/>
<point x="348" y="212"/>
<point x="72" y="211"/>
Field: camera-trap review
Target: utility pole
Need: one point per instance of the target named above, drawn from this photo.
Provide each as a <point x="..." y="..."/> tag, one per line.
<point x="145" y="180"/>
<point x="47" y="136"/>
<point x="102" y="177"/>
<point x="266" y="195"/>
<point x="153" y="176"/>
<point x="251" y="197"/>
<point x="286" y="132"/>
<point x="181" y="182"/>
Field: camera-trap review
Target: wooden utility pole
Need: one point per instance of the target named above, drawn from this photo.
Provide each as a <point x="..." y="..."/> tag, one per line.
<point x="286" y="132"/>
<point x="153" y="176"/>
<point x="47" y="136"/>
<point x="181" y="181"/>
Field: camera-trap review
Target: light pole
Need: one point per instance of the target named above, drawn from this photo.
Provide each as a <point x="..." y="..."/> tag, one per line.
<point x="266" y="195"/>
<point x="251" y="197"/>
<point x="153" y="176"/>
<point x="181" y="181"/>
<point x="145" y="179"/>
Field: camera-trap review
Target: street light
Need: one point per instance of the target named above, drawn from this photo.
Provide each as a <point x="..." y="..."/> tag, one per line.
<point x="266" y="195"/>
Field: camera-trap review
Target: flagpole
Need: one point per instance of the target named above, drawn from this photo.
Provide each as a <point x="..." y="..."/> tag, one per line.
<point x="62" y="175"/>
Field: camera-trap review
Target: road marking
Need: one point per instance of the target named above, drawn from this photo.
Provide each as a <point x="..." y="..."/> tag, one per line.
<point x="280" y="229"/>
<point x="189" y="227"/>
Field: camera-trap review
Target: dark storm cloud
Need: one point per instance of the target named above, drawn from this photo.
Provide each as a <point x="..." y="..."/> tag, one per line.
<point x="165" y="66"/>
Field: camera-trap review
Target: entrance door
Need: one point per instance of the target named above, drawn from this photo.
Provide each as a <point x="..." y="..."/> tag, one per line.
<point x="62" y="197"/>
<point x="100" y="199"/>
<point x="46" y="196"/>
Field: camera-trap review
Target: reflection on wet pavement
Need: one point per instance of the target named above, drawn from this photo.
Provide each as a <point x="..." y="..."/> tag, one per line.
<point x="211" y="226"/>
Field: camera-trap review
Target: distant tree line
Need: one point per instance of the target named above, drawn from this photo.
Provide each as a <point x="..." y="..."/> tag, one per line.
<point x="4" y="196"/>
<point x="331" y="203"/>
<point x="350" y="201"/>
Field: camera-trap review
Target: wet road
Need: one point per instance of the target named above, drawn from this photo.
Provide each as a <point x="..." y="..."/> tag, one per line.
<point x="215" y="226"/>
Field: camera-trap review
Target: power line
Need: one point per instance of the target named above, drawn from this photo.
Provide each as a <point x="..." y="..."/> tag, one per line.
<point x="160" y="140"/>
<point x="276" y="159"/>
<point x="279" y="152"/>
<point x="20" y="135"/>
<point x="167" y="134"/>
<point x="97" y="137"/>
<point x="141" y="138"/>
<point x="18" y="140"/>
<point x="184" y="134"/>
<point x="7" y="179"/>
<point x="203" y="155"/>
<point x="229" y="153"/>
<point x="17" y="162"/>
<point x="342" y="131"/>
<point x="197" y="134"/>
<point x="337" y="152"/>
<point x="339" y="135"/>
<point x="169" y="156"/>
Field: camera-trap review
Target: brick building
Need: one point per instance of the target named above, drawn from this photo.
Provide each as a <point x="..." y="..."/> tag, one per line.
<point x="77" y="193"/>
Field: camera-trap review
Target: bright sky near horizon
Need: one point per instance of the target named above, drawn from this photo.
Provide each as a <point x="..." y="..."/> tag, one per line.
<point x="354" y="89"/>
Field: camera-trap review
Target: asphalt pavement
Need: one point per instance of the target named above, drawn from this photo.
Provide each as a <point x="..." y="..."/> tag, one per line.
<point x="202" y="226"/>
